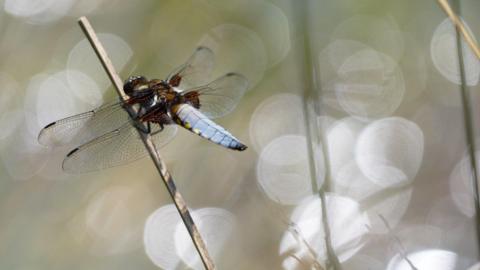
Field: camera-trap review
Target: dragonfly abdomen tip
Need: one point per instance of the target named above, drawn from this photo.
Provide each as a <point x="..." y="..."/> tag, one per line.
<point x="242" y="147"/>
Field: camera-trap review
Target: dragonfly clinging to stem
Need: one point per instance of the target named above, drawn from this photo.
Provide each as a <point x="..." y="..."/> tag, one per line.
<point x="108" y="136"/>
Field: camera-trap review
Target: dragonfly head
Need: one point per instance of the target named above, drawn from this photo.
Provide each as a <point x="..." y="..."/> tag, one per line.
<point x="135" y="83"/>
<point x="165" y="84"/>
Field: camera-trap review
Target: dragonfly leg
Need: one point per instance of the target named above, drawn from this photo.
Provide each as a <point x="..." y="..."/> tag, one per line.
<point x="141" y="127"/>
<point x="158" y="131"/>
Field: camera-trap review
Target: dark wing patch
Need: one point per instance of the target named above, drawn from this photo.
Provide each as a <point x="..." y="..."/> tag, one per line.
<point x="84" y="127"/>
<point x="118" y="147"/>
<point x="221" y="96"/>
<point x="195" y="71"/>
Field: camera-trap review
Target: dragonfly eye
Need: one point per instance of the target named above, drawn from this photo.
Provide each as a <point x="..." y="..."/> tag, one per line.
<point x="134" y="83"/>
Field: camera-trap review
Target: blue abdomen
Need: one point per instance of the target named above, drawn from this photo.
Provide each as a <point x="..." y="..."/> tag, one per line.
<point x="198" y="123"/>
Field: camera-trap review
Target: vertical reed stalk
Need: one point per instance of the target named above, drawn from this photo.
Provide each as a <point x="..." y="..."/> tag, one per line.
<point x="466" y="105"/>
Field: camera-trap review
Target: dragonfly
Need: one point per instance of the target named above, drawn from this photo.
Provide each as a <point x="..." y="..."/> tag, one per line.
<point x="108" y="136"/>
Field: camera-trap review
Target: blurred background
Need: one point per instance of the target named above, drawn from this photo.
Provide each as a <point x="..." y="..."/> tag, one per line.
<point x="362" y="121"/>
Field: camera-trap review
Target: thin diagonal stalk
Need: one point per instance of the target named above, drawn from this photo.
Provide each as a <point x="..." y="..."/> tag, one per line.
<point x="152" y="150"/>
<point x="402" y="250"/>
<point x="294" y="230"/>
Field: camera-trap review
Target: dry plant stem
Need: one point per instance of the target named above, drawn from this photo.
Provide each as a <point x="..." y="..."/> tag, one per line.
<point x="154" y="154"/>
<point x="459" y="24"/>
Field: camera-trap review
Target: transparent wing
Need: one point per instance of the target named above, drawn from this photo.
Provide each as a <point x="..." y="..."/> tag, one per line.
<point x="84" y="127"/>
<point x="221" y="96"/>
<point x="195" y="71"/>
<point x="118" y="147"/>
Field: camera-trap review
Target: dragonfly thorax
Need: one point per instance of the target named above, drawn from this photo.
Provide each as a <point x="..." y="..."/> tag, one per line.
<point x="153" y="99"/>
